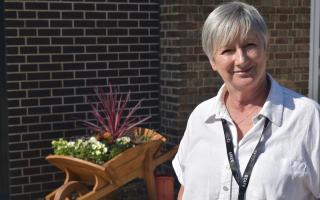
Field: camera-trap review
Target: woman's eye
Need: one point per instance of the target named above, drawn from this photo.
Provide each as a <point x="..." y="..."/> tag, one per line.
<point x="226" y="51"/>
<point x="250" y="45"/>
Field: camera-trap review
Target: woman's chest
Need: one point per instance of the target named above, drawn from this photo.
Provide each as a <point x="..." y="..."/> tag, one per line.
<point x="279" y="171"/>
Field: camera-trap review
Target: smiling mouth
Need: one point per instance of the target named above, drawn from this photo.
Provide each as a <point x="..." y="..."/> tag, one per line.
<point x="242" y="71"/>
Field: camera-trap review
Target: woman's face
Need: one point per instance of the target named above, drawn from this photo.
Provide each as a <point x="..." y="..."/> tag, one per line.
<point x="242" y="64"/>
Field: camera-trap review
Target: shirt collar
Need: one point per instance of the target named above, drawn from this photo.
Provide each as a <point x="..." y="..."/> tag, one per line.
<point x="218" y="109"/>
<point x="274" y="105"/>
<point x="272" y="108"/>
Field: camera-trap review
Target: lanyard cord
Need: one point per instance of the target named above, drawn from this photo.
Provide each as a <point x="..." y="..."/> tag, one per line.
<point x="244" y="180"/>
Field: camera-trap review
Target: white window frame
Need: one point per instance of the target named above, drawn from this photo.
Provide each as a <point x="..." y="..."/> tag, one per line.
<point x="314" y="82"/>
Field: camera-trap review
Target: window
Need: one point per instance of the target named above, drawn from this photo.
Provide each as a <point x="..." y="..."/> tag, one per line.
<point x="314" y="64"/>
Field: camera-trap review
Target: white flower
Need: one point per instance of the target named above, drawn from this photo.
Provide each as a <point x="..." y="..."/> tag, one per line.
<point x="98" y="152"/>
<point x="123" y="140"/>
<point x="93" y="139"/>
<point x="70" y="144"/>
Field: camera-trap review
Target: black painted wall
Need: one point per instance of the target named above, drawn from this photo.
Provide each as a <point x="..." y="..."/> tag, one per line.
<point x="4" y="167"/>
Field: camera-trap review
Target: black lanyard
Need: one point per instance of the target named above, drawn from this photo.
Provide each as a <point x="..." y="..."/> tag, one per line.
<point x="244" y="180"/>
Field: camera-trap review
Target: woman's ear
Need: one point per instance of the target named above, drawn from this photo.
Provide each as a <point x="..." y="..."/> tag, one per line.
<point x="213" y="66"/>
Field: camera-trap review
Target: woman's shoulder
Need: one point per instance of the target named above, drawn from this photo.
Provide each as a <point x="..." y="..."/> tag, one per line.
<point x="206" y="107"/>
<point x="301" y="101"/>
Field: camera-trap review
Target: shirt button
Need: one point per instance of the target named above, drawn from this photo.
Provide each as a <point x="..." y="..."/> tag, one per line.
<point x="225" y="188"/>
<point x="227" y="167"/>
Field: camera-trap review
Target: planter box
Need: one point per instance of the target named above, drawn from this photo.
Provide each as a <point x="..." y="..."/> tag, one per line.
<point x="92" y="182"/>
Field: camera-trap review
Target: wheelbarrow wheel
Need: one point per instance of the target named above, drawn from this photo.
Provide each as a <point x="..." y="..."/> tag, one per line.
<point x="68" y="190"/>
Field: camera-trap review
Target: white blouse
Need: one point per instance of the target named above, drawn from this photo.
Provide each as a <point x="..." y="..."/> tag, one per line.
<point x="288" y="167"/>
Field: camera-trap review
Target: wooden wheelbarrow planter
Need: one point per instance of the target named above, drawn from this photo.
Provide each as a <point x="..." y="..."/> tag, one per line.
<point x="92" y="182"/>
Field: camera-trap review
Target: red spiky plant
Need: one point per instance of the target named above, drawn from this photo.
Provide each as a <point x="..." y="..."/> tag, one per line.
<point x="109" y="113"/>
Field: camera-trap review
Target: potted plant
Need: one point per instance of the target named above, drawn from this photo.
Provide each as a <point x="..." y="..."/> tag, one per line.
<point x="118" y="152"/>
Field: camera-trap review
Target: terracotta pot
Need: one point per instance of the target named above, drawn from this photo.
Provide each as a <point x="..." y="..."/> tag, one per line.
<point x="165" y="188"/>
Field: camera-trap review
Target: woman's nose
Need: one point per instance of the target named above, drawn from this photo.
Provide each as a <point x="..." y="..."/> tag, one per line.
<point x="240" y="57"/>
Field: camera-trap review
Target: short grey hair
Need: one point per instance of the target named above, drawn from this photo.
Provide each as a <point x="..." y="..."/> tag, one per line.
<point x="228" y="22"/>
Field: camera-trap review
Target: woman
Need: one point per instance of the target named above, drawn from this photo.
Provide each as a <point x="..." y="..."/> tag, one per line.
<point x="255" y="140"/>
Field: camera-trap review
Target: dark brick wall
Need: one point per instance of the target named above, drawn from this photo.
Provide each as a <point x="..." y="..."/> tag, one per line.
<point x="289" y="26"/>
<point x="57" y="52"/>
<point x="186" y="76"/>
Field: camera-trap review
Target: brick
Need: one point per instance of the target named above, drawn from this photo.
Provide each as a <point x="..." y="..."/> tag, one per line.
<point x="15" y="59"/>
<point x="84" y="6"/>
<point x="15" y="172"/>
<point x="63" y="125"/>
<point x="37" y="145"/>
<point x="38" y="58"/>
<point x="48" y="15"/>
<point x="106" y="7"/>
<point x="17" y="129"/>
<point x="28" y="50"/>
<point x="27" y="32"/>
<point x="62" y="109"/>
<point x="85" y="40"/>
<point x="49" y="32"/>
<point x="16" y="112"/>
<point x="30" y="102"/>
<point x="73" y="66"/>
<point x="60" y="6"/>
<point x="84" y="23"/>
<point x="30" y="120"/>
<point x="27" y="14"/>
<point x="106" y="23"/>
<point x="38" y="41"/>
<point x="11" y="32"/>
<point x="36" y="6"/>
<point x="86" y="57"/>
<point x="96" y="31"/>
<point x="50" y="101"/>
<point x="49" y="49"/>
<point x="38" y="76"/>
<point x="62" y="75"/>
<point x="60" y="23"/>
<point x="37" y="111"/>
<point x="37" y="23"/>
<point x="62" y="58"/>
<point x="15" y="41"/>
<point x="20" y="180"/>
<point x="96" y="48"/>
<point x="14" y="23"/>
<point x="30" y="154"/>
<point x="63" y="92"/>
<point x="13" y="5"/>
<point x="16" y="190"/>
<point x="73" y="100"/>
<point x="14" y="120"/>
<point x="95" y="15"/>
<point x="38" y="93"/>
<point x="72" y="15"/>
<point x="33" y="187"/>
<point x="16" y="147"/>
<point x="72" y="32"/>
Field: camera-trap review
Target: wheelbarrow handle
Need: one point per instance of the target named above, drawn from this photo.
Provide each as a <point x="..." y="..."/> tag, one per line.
<point x="162" y="157"/>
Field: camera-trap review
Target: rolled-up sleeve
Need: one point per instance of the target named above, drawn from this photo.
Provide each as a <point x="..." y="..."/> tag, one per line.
<point x="178" y="161"/>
